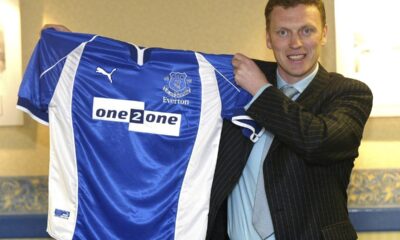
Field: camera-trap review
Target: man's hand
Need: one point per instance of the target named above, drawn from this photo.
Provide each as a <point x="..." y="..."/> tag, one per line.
<point x="247" y="74"/>
<point x="57" y="27"/>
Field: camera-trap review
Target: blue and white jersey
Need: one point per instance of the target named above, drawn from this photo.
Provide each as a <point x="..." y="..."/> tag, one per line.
<point x="134" y="134"/>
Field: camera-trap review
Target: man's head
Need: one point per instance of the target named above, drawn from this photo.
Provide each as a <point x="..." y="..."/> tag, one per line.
<point x="293" y="3"/>
<point x="296" y="30"/>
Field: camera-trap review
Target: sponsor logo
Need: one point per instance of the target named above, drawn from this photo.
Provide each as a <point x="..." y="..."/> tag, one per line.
<point x="138" y="118"/>
<point x="177" y="87"/>
<point x="61" y="213"/>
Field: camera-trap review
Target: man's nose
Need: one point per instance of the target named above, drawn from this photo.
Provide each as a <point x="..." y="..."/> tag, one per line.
<point x="295" y="41"/>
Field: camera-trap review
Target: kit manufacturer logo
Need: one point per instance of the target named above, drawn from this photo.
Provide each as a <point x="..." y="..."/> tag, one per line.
<point x="108" y="75"/>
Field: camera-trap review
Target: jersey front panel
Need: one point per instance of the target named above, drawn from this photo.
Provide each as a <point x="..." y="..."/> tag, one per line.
<point x="133" y="147"/>
<point x="142" y="178"/>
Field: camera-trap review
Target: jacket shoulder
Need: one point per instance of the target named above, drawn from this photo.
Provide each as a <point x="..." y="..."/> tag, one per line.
<point x="337" y="79"/>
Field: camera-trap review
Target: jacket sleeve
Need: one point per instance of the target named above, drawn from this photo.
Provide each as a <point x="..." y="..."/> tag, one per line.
<point x="324" y="132"/>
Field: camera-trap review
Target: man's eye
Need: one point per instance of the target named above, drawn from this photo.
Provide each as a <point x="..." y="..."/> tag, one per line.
<point x="307" y="31"/>
<point x="282" y="33"/>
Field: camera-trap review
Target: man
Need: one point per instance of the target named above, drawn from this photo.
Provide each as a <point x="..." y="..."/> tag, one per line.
<point x="315" y="136"/>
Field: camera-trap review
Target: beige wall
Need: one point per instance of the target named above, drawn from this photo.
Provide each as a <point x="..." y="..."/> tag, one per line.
<point x="223" y="26"/>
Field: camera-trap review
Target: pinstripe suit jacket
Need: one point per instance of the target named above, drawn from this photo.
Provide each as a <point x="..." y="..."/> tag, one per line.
<point x="308" y="166"/>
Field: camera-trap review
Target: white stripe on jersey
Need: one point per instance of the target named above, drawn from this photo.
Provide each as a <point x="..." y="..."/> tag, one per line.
<point x="63" y="166"/>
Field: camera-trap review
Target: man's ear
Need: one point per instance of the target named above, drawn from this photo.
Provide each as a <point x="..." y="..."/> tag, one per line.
<point x="324" y="37"/>
<point x="268" y="38"/>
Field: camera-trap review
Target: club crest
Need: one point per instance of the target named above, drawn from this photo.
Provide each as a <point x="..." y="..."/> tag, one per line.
<point x="177" y="85"/>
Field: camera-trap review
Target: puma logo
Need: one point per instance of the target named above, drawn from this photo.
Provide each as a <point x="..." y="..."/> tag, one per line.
<point x="102" y="71"/>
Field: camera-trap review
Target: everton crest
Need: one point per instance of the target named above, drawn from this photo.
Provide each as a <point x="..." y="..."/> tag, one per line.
<point x="177" y="85"/>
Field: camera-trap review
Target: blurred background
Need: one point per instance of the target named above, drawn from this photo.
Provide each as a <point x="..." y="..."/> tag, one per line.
<point x="362" y="44"/>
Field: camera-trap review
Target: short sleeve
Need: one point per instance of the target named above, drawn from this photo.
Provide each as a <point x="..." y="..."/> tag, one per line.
<point x="233" y="97"/>
<point x="43" y="71"/>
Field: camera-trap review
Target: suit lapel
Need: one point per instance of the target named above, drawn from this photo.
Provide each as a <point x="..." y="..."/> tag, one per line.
<point x="308" y="97"/>
<point x="317" y="85"/>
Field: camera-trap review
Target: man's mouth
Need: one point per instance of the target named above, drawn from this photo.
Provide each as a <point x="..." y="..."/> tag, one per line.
<point x="296" y="57"/>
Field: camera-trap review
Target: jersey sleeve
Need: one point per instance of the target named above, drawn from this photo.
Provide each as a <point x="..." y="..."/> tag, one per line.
<point x="233" y="97"/>
<point x="44" y="69"/>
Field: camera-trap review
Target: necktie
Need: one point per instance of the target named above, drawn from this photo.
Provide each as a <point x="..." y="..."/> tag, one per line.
<point x="262" y="221"/>
<point x="289" y="91"/>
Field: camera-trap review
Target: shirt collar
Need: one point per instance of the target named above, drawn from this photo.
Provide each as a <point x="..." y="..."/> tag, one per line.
<point x="300" y="85"/>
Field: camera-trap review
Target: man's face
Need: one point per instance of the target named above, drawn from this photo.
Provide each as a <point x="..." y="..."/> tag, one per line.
<point x="295" y="36"/>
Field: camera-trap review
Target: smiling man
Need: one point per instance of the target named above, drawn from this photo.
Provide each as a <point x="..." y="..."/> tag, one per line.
<point x="294" y="183"/>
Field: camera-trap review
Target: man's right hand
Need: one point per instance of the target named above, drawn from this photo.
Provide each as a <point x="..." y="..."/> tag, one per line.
<point x="247" y="74"/>
<point x="57" y="27"/>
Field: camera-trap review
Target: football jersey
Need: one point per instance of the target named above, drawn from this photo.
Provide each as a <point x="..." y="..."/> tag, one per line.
<point x="134" y="134"/>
